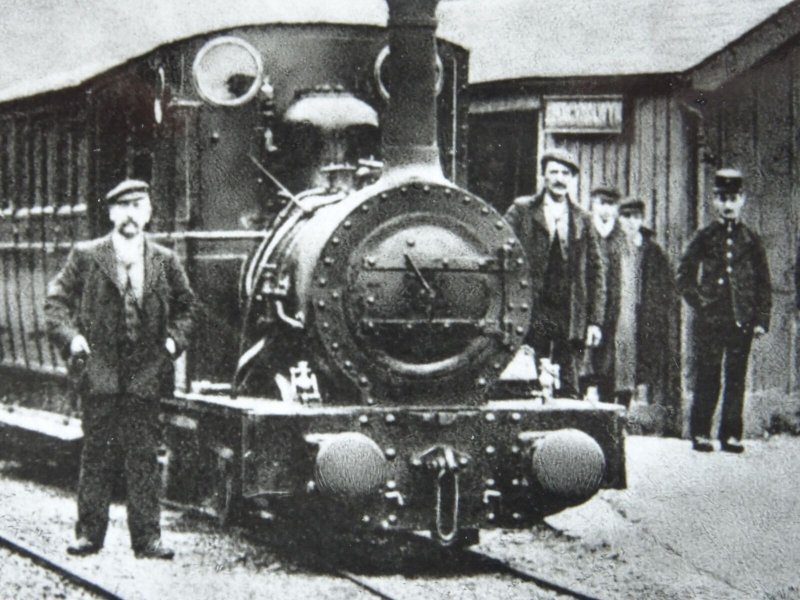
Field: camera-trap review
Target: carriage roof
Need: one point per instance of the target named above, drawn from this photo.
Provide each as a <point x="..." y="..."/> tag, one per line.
<point x="55" y="45"/>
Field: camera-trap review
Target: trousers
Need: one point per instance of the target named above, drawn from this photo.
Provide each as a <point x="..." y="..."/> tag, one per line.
<point x="127" y="427"/>
<point x="712" y="341"/>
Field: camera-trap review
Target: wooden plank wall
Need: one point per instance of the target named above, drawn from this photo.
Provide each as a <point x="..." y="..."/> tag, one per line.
<point x="751" y="126"/>
<point x="649" y="160"/>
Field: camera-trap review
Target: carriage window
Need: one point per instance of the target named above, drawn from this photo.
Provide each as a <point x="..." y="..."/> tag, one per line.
<point x="5" y="171"/>
<point x="60" y="188"/>
<point x="227" y="71"/>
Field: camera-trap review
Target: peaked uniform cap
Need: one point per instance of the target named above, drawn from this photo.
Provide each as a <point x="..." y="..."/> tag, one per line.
<point x="128" y="190"/>
<point x="728" y="180"/>
<point x="562" y="156"/>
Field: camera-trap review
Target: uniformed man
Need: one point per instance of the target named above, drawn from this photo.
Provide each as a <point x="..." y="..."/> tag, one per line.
<point x="724" y="276"/>
<point x="124" y="304"/>
<point x="567" y="278"/>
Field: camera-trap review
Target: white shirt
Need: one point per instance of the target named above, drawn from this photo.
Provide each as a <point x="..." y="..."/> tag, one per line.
<point x="130" y="260"/>
<point x="556" y="215"/>
<point x="604" y="228"/>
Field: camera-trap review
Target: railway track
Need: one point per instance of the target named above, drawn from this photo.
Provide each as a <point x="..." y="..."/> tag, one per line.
<point x="73" y="576"/>
<point x="502" y="566"/>
<point x="484" y="564"/>
<point x="404" y="566"/>
<point x="399" y="567"/>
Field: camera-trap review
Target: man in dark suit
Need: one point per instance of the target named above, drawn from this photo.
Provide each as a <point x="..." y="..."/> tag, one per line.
<point x="732" y="302"/>
<point x="567" y="278"/>
<point x="123" y="305"/>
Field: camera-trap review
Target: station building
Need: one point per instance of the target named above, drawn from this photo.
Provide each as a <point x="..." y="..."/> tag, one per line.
<point x="652" y="96"/>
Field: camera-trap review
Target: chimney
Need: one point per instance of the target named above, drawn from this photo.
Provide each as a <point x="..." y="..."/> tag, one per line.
<point x="409" y="132"/>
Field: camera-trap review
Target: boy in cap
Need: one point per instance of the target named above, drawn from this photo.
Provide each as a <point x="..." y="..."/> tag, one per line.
<point x="124" y="305"/>
<point x="567" y="278"/>
<point x="732" y="303"/>
<point x="604" y="207"/>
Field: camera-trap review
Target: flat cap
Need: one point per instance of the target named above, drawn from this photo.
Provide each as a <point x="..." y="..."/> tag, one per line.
<point x="606" y="190"/>
<point x="728" y="180"/>
<point x="562" y="156"/>
<point x="631" y="206"/>
<point x="128" y="190"/>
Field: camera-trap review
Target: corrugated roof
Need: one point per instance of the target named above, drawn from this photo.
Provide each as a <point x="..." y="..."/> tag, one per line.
<point x="53" y="44"/>
<point x="512" y="39"/>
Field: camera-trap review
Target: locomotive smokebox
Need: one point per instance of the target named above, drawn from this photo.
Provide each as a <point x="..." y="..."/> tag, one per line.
<point x="349" y="466"/>
<point x="409" y="134"/>
<point x="568" y="465"/>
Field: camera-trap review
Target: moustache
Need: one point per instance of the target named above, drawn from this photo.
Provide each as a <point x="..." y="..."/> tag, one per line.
<point x="122" y="227"/>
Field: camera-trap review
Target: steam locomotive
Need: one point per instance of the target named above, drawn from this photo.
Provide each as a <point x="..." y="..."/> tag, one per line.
<point x="359" y="305"/>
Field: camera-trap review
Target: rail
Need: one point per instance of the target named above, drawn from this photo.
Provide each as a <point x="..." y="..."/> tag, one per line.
<point x="79" y="579"/>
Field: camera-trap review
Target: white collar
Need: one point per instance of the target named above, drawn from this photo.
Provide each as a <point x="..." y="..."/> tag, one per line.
<point x="604" y="228"/>
<point x="128" y="250"/>
<point x="555" y="207"/>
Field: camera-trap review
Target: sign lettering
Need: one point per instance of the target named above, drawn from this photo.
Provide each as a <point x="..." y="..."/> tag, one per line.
<point x="586" y="114"/>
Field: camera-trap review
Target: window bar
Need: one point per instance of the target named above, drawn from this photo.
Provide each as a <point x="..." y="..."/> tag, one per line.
<point x="20" y="149"/>
<point x="49" y="135"/>
<point x="34" y="150"/>
<point x="10" y="351"/>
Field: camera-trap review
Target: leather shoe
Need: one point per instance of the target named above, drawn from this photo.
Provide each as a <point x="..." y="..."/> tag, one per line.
<point x="83" y="547"/>
<point x="155" y="550"/>
<point x="702" y="444"/>
<point x="732" y="445"/>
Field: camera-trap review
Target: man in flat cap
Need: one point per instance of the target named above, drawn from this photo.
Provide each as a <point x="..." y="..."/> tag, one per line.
<point x="641" y="345"/>
<point x="724" y="277"/>
<point x="567" y="278"/>
<point x="123" y="305"/>
<point x="611" y="239"/>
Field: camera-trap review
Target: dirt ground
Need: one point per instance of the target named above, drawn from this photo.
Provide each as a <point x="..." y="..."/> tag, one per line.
<point x="689" y="525"/>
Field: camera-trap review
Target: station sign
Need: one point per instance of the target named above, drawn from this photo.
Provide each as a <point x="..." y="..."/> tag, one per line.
<point x="583" y="114"/>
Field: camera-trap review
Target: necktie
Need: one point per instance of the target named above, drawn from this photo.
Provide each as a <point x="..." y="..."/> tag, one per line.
<point x="133" y="319"/>
<point x="557" y="237"/>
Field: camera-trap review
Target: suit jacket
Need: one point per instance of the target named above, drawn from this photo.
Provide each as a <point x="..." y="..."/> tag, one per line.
<point x="86" y="298"/>
<point x="732" y="267"/>
<point x="584" y="263"/>
<point x="797" y="278"/>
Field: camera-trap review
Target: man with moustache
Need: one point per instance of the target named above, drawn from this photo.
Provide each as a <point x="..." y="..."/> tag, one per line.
<point x="124" y="306"/>
<point x="567" y="278"/>
<point x="724" y="277"/>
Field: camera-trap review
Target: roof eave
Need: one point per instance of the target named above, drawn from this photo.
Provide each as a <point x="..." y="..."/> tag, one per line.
<point x="746" y="51"/>
<point x="585" y="84"/>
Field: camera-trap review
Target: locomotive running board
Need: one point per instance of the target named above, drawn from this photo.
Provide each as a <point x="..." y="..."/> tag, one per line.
<point x="46" y="424"/>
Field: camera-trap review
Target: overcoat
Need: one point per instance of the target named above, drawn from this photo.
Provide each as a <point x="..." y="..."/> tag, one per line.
<point x="86" y="298"/>
<point x="611" y="249"/>
<point x="658" y="325"/>
<point x="659" y="331"/>
<point x="584" y="263"/>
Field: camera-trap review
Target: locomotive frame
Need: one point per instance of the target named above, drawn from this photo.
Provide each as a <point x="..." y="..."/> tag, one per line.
<point x="450" y="461"/>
